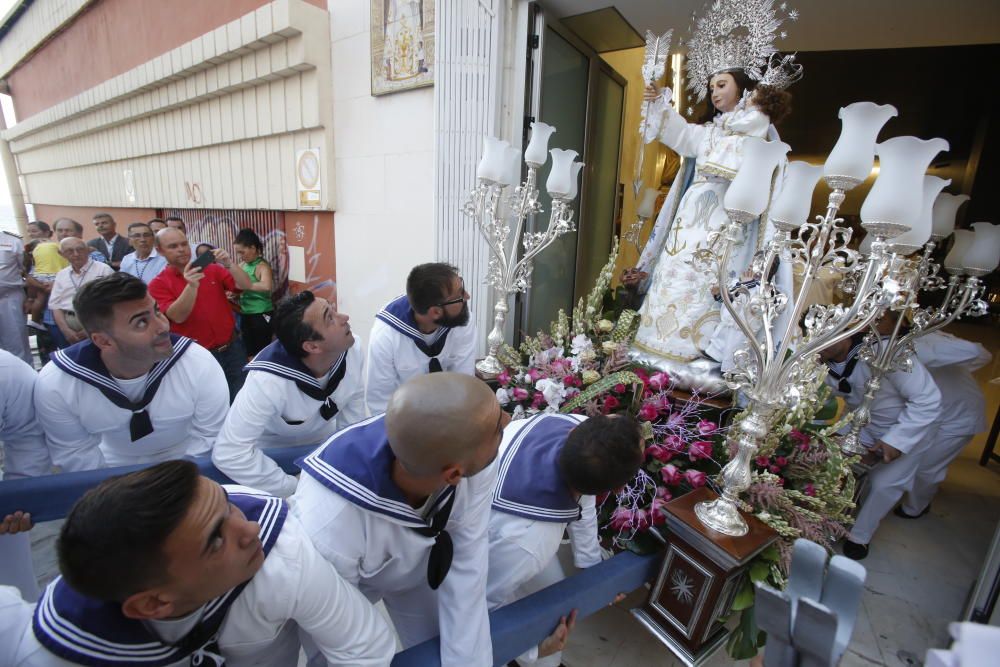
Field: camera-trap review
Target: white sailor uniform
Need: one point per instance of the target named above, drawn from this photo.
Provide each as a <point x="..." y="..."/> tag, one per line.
<point x="951" y="362"/>
<point x="398" y="351"/>
<point x="532" y="507"/>
<point x="360" y="521"/>
<point x="92" y="420"/>
<point x="24" y="455"/>
<point x="13" y="330"/>
<point x="282" y="404"/>
<point x="257" y="623"/>
<point x="903" y="415"/>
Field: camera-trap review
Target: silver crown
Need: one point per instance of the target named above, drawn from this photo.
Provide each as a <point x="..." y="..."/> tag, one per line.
<point x="739" y="35"/>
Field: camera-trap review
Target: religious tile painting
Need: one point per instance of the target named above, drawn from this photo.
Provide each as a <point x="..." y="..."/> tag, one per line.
<point x="402" y="45"/>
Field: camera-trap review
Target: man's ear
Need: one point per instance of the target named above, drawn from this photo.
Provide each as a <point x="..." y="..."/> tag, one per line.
<point x="310" y="347"/>
<point x="453" y="473"/>
<point x="101" y="340"/>
<point x="148" y="605"/>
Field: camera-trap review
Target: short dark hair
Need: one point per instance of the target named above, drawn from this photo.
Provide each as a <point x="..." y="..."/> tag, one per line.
<point x="111" y="545"/>
<point x="428" y="284"/>
<point x="178" y="219"/>
<point x="289" y="327"/>
<point x="103" y="215"/>
<point x="601" y="454"/>
<point x="248" y="237"/>
<point x="42" y="226"/>
<point x="139" y="224"/>
<point x="94" y="303"/>
<point x="76" y="225"/>
<point x="156" y="220"/>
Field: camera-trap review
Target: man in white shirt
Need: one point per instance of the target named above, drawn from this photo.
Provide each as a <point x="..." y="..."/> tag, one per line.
<point x="132" y="393"/>
<point x="300" y="390"/>
<point x="549" y="471"/>
<point x="429" y="329"/>
<point x="399" y="503"/>
<point x="165" y="567"/>
<point x="81" y="270"/>
<point x="899" y="433"/>
<point x="13" y="331"/>
<point x="145" y="263"/>
<point x="951" y="362"/>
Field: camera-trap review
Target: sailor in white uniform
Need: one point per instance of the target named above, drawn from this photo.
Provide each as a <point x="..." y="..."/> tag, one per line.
<point x="428" y="329"/>
<point x="132" y="393"/>
<point x="549" y="470"/>
<point x="901" y="430"/>
<point x="193" y="574"/>
<point x="951" y="362"/>
<point x="300" y="390"/>
<point x="24" y="455"/>
<point x="399" y="503"/>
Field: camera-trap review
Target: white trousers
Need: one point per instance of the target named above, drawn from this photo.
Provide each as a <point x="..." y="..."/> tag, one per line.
<point x="551" y="574"/>
<point x="889" y="481"/>
<point x="933" y="469"/>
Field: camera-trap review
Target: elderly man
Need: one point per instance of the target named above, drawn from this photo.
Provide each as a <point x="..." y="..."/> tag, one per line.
<point x="400" y="505"/>
<point x="66" y="228"/>
<point x="113" y="246"/>
<point x="300" y="390"/>
<point x="194" y="300"/>
<point x="13" y="328"/>
<point x="132" y="393"/>
<point x="428" y="329"/>
<point x="81" y="270"/>
<point x="166" y="567"/>
<point x="145" y="263"/>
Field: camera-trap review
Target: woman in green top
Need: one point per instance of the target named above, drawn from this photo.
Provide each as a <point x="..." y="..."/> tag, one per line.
<point x="255" y="303"/>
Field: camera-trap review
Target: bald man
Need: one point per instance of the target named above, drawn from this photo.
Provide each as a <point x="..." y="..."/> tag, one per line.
<point x="400" y="504"/>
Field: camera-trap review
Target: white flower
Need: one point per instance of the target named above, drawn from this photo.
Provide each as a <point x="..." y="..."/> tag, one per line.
<point x="553" y="391"/>
<point x="609" y="346"/>
<point x="503" y="396"/>
<point x="580" y="344"/>
<point x="518" y="413"/>
<point x="605" y="326"/>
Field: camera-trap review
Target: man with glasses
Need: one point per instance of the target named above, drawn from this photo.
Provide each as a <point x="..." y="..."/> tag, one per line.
<point x="145" y="263"/>
<point x="81" y="270"/>
<point x="427" y="330"/>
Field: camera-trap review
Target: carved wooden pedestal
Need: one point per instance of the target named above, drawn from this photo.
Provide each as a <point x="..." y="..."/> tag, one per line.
<point x="700" y="575"/>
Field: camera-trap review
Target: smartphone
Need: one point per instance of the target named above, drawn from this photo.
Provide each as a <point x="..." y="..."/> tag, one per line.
<point x="203" y="260"/>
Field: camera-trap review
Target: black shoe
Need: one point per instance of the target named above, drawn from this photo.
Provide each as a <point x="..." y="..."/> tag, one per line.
<point x="855" y="551"/>
<point x="903" y="515"/>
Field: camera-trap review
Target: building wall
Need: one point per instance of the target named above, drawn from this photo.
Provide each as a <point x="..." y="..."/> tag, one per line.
<point x="214" y="123"/>
<point x="384" y="173"/>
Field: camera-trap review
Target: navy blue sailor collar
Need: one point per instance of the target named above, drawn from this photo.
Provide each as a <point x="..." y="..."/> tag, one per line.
<point x="85" y="631"/>
<point x="529" y="484"/>
<point x="275" y="359"/>
<point x="356" y="463"/>
<point x="398" y="314"/>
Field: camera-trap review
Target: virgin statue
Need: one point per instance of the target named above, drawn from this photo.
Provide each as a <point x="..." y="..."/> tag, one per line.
<point x="732" y="61"/>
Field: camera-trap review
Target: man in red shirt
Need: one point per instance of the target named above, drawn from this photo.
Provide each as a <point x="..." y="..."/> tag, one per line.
<point x="194" y="300"/>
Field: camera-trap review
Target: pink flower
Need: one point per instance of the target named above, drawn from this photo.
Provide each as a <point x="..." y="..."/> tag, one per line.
<point x="781" y="461"/>
<point x="610" y="403"/>
<point x="538" y="400"/>
<point x="809" y="490"/>
<point x="621" y="518"/>
<point x="641" y="520"/>
<point x="762" y="461"/>
<point x="619" y="388"/>
<point x="657" y="512"/>
<point x="774" y="469"/>
<point x="648" y="412"/>
<point x="642" y="375"/>
<point x="535" y="375"/>
<point x="519" y="394"/>
<point x="674" y="443"/>
<point x="659" y="381"/>
<point x="800" y="439"/>
<point x="706" y="427"/>
<point x="676" y="420"/>
<point x="670" y="474"/>
<point x="572" y="381"/>
<point x="663" y="494"/>
<point x="503" y="378"/>
<point x="695" y="478"/>
<point x="701" y="449"/>
<point x="659" y="452"/>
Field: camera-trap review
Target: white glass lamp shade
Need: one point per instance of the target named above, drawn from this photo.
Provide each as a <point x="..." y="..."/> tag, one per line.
<point x="944" y="213"/>
<point x="748" y="194"/>
<point x="854" y="153"/>
<point x="953" y="262"/>
<point x="891" y="206"/>
<point x="791" y="209"/>
<point x="562" y="178"/>
<point x="647" y="204"/>
<point x="983" y="254"/>
<point x="493" y="164"/>
<point x="537" y="152"/>
<point x="920" y="232"/>
<point x="512" y="173"/>
<point x="574" y="179"/>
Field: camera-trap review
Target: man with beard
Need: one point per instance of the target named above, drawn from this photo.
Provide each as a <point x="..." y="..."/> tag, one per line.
<point x="426" y="330"/>
<point x="131" y="392"/>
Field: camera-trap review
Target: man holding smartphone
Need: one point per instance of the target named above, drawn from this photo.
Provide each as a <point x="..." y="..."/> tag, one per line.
<point x="192" y="294"/>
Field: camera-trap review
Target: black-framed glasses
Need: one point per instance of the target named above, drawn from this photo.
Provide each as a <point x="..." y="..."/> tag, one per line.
<point x="460" y="299"/>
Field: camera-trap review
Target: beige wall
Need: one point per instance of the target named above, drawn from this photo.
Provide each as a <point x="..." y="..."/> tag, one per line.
<point x="214" y="123"/>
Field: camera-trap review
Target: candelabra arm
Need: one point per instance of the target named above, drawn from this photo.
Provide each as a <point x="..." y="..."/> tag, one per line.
<point x="732" y="231"/>
<point x="968" y="294"/>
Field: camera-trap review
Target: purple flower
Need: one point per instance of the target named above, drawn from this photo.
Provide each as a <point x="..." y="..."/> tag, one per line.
<point x="671" y="475"/>
<point x="519" y="394"/>
<point x="706" y="427"/>
<point x="648" y="412"/>
<point x="700" y="449"/>
<point x="695" y="478"/>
